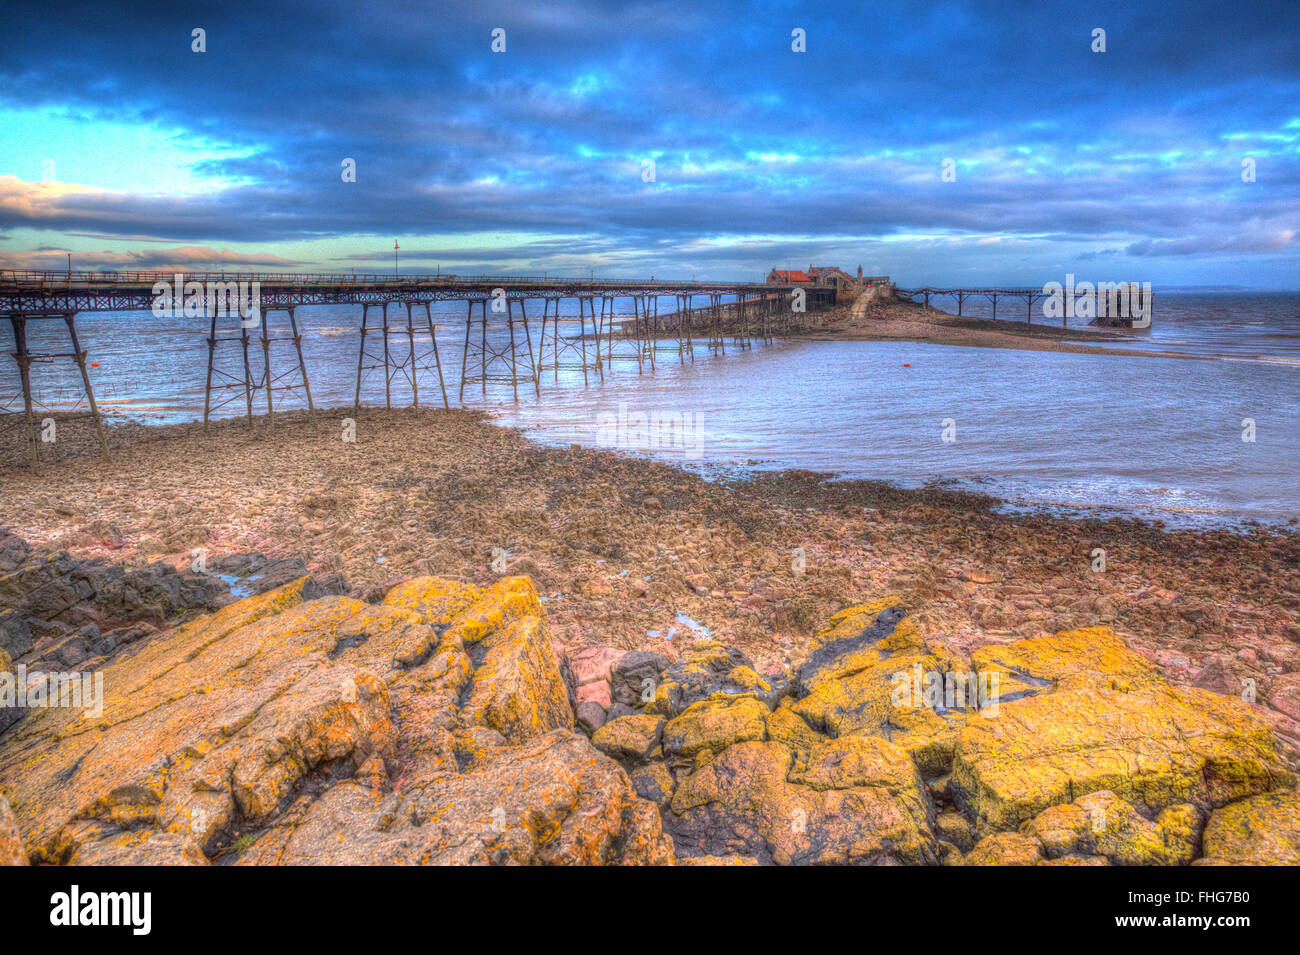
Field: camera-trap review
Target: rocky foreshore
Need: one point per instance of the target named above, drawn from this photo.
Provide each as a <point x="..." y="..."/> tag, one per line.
<point x="437" y="726"/>
<point x="446" y="644"/>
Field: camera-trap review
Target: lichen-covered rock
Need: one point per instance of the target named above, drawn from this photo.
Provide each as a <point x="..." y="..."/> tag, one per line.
<point x="715" y="724"/>
<point x="742" y="802"/>
<point x="868" y="675"/>
<point x="1006" y="848"/>
<point x="1262" y="830"/>
<point x="518" y="689"/>
<point x="1151" y="743"/>
<point x="633" y="737"/>
<point x="433" y="727"/>
<point x="709" y="671"/>
<point x="11" y="842"/>
<point x="952" y="827"/>
<point x="1102" y="824"/>
<point x="654" y="782"/>
<point x="785" y="726"/>
<point x="552" y="801"/>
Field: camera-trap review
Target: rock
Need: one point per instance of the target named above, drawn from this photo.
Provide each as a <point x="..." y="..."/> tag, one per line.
<point x="431" y="728"/>
<point x="15" y="633"/>
<point x="13" y="550"/>
<point x="851" y="684"/>
<point x="9" y="712"/>
<point x="630" y="737"/>
<point x="518" y="689"/>
<point x="742" y="803"/>
<point x="785" y="726"/>
<point x="595" y="664"/>
<point x="1005" y="848"/>
<point x="636" y="675"/>
<point x="590" y="717"/>
<point x="1261" y="830"/>
<point x="710" y="670"/>
<point x="597" y="693"/>
<point x="1217" y="676"/>
<point x="715" y="724"/>
<point x="654" y="783"/>
<point x="951" y="826"/>
<point x="1106" y="720"/>
<point x="1284" y="694"/>
<point x="1102" y="824"/>
<point x="11" y="842"/>
<point x="856" y="761"/>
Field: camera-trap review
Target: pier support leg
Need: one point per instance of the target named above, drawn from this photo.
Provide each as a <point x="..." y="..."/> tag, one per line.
<point x="302" y="365"/>
<point x="80" y="356"/>
<point x="388" y="374"/>
<point x="266" y="359"/>
<point x="464" y="355"/>
<point x="23" y="357"/>
<point x="437" y="359"/>
<point x="207" y="388"/>
<point x="410" y="338"/>
<point x="514" y="373"/>
<point x="361" y="356"/>
<point x="528" y="338"/>
<point x="248" y="370"/>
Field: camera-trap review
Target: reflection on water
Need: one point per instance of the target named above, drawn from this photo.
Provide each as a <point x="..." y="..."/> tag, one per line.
<point x="1156" y="437"/>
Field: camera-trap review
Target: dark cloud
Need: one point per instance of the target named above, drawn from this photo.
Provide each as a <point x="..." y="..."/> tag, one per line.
<point x="1137" y="149"/>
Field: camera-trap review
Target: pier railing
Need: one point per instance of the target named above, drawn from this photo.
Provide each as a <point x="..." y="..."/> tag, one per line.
<point x="65" y="278"/>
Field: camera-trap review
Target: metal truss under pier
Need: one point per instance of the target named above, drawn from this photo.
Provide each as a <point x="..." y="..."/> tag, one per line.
<point x="506" y="356"/>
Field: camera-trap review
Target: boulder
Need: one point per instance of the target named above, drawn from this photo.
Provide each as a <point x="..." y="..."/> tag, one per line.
<point x="1261" y="830"/>
<point x="743" y="803"/>
<point x="1102" y="824"/>
<point x="1104" y="719"/>
<point x="630" y="737"/>
<point x="714" y="725"/>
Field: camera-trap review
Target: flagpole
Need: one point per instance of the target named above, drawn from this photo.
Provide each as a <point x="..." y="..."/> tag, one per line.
<point x="394" y="259"/>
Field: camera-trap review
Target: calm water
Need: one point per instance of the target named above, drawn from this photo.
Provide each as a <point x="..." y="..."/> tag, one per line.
<point x="1158" y="438"/>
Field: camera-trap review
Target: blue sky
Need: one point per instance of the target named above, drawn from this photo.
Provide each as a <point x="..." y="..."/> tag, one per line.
<point x="124" y="147"/>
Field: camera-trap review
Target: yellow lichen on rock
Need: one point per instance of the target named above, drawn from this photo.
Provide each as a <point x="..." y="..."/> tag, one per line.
<point x="1262" y="830"/>
<point x="518" y="689"/>
<point x="743" y="802"/>
<point x="298" y="722"/>
<point x="1151" y="743"/>
<point x="715" y="724"/>
<point x="630" y="737"/>
<point x="1094" y="656"/>
<point x="1102" y="824"/>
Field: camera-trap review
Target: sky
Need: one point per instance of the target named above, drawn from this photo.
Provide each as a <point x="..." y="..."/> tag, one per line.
<point x="982" y="143"/>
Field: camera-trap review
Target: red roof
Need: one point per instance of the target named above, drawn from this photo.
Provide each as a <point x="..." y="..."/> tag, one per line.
<point x="791" y="275"/>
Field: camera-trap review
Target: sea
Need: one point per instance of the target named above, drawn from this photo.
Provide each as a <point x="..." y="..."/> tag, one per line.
<point x="1207" y="439"/>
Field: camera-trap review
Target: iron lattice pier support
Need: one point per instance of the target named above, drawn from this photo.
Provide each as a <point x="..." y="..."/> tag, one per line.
<point x="685" y="343"/>
<point x="228" y="387"/>
<point x="561" y="345"/>
<point x="634" y="336"/>
<point x="401" y="360"/>
<point x="741" y="337"/>
<point x="419" y="361"/>
<point x="495" y="358"/>
<point x="283" y="381"/>
<point x="24" y="357"/>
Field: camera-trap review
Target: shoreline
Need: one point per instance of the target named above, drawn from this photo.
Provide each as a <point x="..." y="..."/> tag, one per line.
<point x="899" y="320"/>
<point x="621" y="547"/>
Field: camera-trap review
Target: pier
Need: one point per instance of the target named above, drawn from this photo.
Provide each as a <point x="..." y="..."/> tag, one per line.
<point x="502" y="344"/>
<point x="1028" y="295"/>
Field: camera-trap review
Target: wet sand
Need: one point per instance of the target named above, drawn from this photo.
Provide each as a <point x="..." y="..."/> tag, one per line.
<point x="620" y="546"/>
<point x="902" y="320"/>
